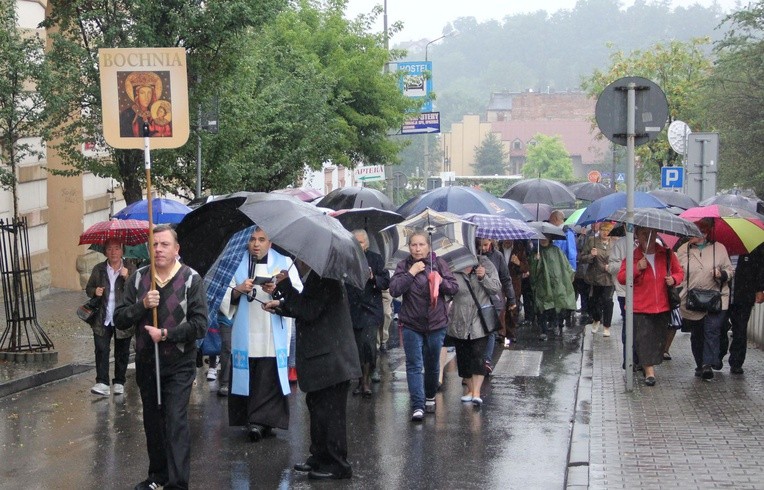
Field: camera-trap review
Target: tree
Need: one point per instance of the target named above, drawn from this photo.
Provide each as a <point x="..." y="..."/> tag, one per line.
<point x="24" y="77"/>
<point x="548" y="159"/>
<point x="490" y="158"/>
<point x="734" y="99"/>
<point x="680" y="69"/>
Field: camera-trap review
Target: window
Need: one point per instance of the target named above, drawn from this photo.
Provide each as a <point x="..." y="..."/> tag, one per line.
<point x="517" y="144"/>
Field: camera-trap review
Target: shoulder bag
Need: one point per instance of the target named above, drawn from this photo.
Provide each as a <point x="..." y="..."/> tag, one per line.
<point x="89" y="310"/>
<point x="487" y="314"/>
<point x="705" y="300"/>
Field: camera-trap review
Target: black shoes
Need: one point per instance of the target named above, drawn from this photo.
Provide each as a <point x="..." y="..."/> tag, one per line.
<point x="707" y="372"/>
<point x="718" y="366"/>
<point x="325" y="475"/>
<point x="257" y="432"/>
<point x="304" y="467"/>
<point x="650" y="381"/>
<point x="736" y="370"/>
<point x="148" y="485"/>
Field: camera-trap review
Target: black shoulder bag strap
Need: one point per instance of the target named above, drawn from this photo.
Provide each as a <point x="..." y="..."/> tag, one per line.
<point x="477" y="304"/>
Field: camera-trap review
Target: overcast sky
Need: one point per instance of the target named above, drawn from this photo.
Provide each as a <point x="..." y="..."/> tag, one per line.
<point x="425" y="19"/>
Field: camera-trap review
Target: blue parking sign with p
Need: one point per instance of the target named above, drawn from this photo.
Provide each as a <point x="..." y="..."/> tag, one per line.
<point x="672" y="177"/>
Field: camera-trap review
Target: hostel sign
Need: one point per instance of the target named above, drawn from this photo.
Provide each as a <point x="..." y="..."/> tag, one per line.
<point x="144" y="87"/>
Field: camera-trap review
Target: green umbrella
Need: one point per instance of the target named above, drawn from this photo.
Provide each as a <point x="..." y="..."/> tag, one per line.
<point x="574" y="217"/>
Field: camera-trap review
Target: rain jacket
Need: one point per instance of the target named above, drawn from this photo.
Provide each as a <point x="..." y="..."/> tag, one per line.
<point x="650" y="290"/>
<point x="701" y="263"/>
<point x="464" y="322"/>
<point x="416" y="313"/>
<point x="597" y="272"/>
<point x="552" y="280"/>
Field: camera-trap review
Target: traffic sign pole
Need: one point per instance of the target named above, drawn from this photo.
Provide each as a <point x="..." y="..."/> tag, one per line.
<point x="630" y="163"/>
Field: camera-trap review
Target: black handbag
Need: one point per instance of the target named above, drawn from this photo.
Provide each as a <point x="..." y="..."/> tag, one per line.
<point x="89" y="310"/>
<point x="705" y="300"/>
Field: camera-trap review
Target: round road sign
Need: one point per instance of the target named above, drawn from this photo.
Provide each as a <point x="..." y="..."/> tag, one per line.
<point x="594" y="176"/>
<point x="651" y="110"/>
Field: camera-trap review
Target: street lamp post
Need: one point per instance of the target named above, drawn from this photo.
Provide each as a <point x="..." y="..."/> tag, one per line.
<point x="426" y="173"/>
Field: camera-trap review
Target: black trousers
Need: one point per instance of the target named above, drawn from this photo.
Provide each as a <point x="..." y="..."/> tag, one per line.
<point x="601" y="304"/>
<point x="328" y="429"/>
<point x="738" y="320"/>
<point x="121" y="357"/>
<point x="168" y="438"/>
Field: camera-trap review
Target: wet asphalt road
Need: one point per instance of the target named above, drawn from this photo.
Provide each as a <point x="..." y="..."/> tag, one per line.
<point x="61" y="436"/>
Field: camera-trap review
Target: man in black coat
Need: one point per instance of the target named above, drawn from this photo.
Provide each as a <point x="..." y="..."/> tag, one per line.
<point x="327" y="359"/>
<point x="747" y="282"/>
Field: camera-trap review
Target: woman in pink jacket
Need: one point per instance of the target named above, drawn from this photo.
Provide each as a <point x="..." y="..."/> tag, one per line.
<point x="652" y="313"/>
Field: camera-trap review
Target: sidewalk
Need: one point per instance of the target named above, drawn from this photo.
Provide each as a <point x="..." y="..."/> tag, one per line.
<point x="72" y="339"/>
<point x="683" y="432"/>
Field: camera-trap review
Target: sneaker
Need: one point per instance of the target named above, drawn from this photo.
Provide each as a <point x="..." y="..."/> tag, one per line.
<point x="223" y="391"/>
<point x="375" y="376"/>
<point x="606" y="332"/>
<point x="595" y="327"/>
<point x="429" y="405"/>
<point x="212" y="375"/>
<point x="466" y="399"/>
<point x="477" y="401"/>
<point x="119" y="389"/>
<point x="418" y="415"/>
<point x="100" y="389"/>
<point x="507" y="343"/>
<point x="542" y="337"/>
<point x="148" y="485"/>
<point x="708" y="372"/>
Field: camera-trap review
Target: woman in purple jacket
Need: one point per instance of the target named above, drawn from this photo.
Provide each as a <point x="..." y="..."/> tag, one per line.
<point x="423" y="319"/>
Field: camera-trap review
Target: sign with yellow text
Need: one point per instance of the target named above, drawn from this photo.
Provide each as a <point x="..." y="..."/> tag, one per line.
<point x="144" y="90"/>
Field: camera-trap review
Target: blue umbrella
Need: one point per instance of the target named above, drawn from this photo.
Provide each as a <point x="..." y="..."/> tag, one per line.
<point x="163" y="211"/>
<point x="462" y="200"/>
<point x="600" y="209"/>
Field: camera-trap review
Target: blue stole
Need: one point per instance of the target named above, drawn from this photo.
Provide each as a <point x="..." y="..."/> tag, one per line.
<point x="240" y="332"/>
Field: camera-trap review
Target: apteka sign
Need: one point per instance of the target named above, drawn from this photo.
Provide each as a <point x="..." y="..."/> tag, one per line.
<point x="144" y="88"/>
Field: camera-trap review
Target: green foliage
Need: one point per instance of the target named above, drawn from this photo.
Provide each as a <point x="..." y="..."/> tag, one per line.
<point x="734" y="100"/>
<point x="680" y="69"/>
<point x="490" y="158"/>
<point x="548" y="159"/>
<point x="24" y="78"/>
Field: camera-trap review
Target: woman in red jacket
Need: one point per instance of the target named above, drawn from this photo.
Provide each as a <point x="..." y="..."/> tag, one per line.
<point x="651" y="305"/>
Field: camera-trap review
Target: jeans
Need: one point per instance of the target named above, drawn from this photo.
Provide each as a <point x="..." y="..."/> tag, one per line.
<point x="738" y="320"/>
<point x="704" y="339"/>
<point x="422" y="351"/>
<point x="121" y="357"/>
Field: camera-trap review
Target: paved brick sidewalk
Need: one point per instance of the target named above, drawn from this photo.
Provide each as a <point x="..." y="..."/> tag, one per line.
<point x="684" y="432"/>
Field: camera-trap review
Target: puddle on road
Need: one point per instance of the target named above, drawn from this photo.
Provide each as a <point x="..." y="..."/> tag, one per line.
<point x="519" y="363"/>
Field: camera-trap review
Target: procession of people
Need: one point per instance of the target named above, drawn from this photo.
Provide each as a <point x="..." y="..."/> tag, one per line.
<point x="279" y="289"/>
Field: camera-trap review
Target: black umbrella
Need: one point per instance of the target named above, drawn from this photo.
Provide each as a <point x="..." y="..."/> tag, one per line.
<point x="675" y="199"/>
<point x="356" y="197"/>
<point x="371" y="220"/>
<point x="735" y="201"/>
<point x="591" y="191"/>
<point x="461" y="200"/>
<point x="541" y="190"/>
<point x="298" y="228"/>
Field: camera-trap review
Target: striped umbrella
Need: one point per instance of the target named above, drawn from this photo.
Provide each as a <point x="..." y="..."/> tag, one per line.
<point x="451" y="238"/>
<point x="738" y="230"/>
<point x="500" y="227"/>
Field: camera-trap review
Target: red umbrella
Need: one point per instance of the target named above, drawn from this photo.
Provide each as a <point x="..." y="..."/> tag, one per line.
<point x="127" y="231"/>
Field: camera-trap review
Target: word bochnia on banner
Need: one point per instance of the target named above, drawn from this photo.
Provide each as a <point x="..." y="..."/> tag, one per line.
<point x="144" y="86"/>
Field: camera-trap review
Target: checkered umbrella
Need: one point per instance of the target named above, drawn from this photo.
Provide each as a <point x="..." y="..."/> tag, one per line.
<point x="658" y="219"/>
<point x="451" y="238"/>
<point x="127" y="231"/>
<point x="500" y="227"/>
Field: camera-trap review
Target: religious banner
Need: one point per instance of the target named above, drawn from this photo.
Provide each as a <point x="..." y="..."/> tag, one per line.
<point x="144" y="88"/>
